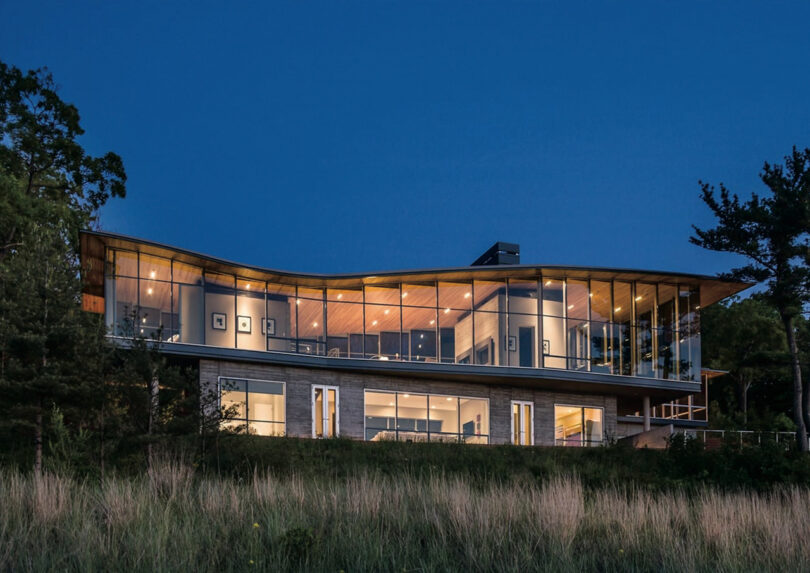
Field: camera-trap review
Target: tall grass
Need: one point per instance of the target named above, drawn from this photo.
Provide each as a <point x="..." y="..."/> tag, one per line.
<point x="171" y="520"/>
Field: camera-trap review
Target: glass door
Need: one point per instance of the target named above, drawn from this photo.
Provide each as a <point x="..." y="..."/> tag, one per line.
<point x="522" y="423"/>
<point x="325" y="412"/>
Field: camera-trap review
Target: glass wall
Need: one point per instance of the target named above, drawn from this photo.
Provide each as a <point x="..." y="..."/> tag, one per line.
<point x="252" y="406"/>
<point x="425" y="417"/>
<point x="628" y="328"/>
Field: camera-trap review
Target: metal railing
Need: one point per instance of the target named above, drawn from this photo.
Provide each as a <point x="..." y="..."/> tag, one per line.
<point x="744" y="437"/>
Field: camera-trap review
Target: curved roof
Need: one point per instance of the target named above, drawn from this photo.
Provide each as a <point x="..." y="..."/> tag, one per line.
<point x="712" y="288"/>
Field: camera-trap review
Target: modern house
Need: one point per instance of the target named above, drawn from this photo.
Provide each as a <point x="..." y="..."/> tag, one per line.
<point x="495" y="352"/>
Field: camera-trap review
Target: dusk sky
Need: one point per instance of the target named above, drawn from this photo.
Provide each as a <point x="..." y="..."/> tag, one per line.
<point x="341" y="137"/>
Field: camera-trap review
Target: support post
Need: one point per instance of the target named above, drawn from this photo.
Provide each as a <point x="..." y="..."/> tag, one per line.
<point x="646" y="413"/>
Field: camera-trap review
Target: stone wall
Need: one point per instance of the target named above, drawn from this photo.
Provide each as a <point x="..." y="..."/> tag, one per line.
<point x="299" y="383"/>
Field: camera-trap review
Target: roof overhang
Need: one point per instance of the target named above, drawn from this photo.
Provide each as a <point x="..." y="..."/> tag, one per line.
<point x="93" y="243"/>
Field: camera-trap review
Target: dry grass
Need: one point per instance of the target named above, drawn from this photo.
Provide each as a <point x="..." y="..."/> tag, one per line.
<point x="171" y="520"/>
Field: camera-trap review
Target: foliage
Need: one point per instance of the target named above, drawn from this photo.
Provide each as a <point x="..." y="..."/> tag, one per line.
<point x="50" y="351"/>
<point x="771" y="232"/>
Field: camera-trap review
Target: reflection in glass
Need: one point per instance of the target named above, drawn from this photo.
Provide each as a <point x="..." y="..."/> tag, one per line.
<point x="645" y="321"/>
<point x="622" y="329"/>
<point x="667" y="368"/>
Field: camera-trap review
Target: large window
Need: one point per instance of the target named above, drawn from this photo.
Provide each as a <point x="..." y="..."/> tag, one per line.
<point x="628" y="328"/>
<point x="577" y="426"/>
<point x="252" y="406"/>
<point x="418" y="417"/>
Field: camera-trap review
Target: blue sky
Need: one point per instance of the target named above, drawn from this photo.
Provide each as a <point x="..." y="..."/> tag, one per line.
<point x="342" y="136"/>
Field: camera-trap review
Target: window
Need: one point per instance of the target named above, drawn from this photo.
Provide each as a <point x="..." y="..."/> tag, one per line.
<point x="252" y="406"/>
<point x="522" y="423"/>
<point x="418" y="417"/>
<point x="577" y="426"/>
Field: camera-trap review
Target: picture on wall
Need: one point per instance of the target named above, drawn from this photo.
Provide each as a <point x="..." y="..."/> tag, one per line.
<point x="546" y="348"/>
<point x="219" y="321"/>
<point x="243" y="324"/>
<point x="269" y="327"/>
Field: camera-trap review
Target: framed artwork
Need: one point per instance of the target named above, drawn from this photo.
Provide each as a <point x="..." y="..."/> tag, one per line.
<point x="512" y="344"/>
<point x="269" y="327"/>
<point x="243" y="324"/>
<point x="546" y="347"/>
<point x="219" y="321"/>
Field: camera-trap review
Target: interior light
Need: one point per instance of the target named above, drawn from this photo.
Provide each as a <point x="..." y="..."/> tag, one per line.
<point x="152" y="275"/>
<point x="570" y="306"/>
<point x="638" y="298"/>
<point x="404" y="294"/>
<point x="142" y="331"/>
<point x="466" y="295"/>
<point x="617" y="309"/>
<point x="149" y="290"/>
<point x="386" y="311"/>
<point x="340" y="296"/>
<point x="143" y="320"/>
<point x="446" y="310"/>
<point x="390" y="403"/>
<point x="432" y="322"/>
<point x="548" y="282"/>
<point x="421" y="336"/>
<point x="434" y="407"/>
<point x="383" y="358"/>
<point x="591" y="295"/>
<point x="374" y="323"/>
<point x="420" y="346"/>
<point x="697" y="307"/>
<point x="314" y="324"/>
<point x="406" y="395"/>
<point x="298" y="301"/>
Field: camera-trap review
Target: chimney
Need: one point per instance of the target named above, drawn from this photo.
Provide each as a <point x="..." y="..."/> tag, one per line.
<point x="499" y="254"/>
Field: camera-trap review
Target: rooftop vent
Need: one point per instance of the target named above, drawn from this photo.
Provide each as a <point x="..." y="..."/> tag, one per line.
<point x="499" y="254"/>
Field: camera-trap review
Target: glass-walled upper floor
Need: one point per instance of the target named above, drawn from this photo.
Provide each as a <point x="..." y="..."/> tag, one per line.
<point x="630" y="328"/>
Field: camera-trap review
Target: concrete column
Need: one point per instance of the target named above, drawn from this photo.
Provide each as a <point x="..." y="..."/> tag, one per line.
<point x="646" y="413"/>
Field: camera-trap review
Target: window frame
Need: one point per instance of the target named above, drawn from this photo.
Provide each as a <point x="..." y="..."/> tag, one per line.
<point x="247" y="419"/>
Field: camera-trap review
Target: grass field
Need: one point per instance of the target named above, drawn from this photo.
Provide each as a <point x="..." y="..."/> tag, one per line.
<point x="173" y="519"/>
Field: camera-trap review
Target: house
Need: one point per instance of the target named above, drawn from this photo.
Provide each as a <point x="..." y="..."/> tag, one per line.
<point x="491" y="353"/>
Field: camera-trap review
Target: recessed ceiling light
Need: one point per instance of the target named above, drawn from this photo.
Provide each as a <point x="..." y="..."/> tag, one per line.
<point x="314" y="324"/>
<point x="149" y="290"/>
<point x="374" y="323"/>
<point x="446" y="310"/>
<point x="638" y="298"/>
<point x="298" y="301"/>
<point x="247" y="286"/>
<point x="466" y="295"/>
<point x="404" y="294"/>
<point x="406" y="395"/>
<point x="570" y="306"/>
<point x="386" y="311"/>
<point x="617" y="309"/>
<point x="548" y="282"/>
<point x="432" y="322"/>
<point x="340" y="295"/>
<point x="152" y="275"/>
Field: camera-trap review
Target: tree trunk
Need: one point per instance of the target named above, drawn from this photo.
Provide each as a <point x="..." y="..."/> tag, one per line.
<point x="154" y="407"/>
<point x="38" y="442"/>
<point x="798" y="403"/>
<point x="744" y="386"/>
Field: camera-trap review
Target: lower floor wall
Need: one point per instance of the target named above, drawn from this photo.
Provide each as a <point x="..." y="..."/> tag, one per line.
<point x="298" y="402"/>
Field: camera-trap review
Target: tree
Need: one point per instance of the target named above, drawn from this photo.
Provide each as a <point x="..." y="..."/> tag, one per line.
<point x="50" y="189"/>
<point x="746" y="338"/>
<point x="771" y="232"/>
